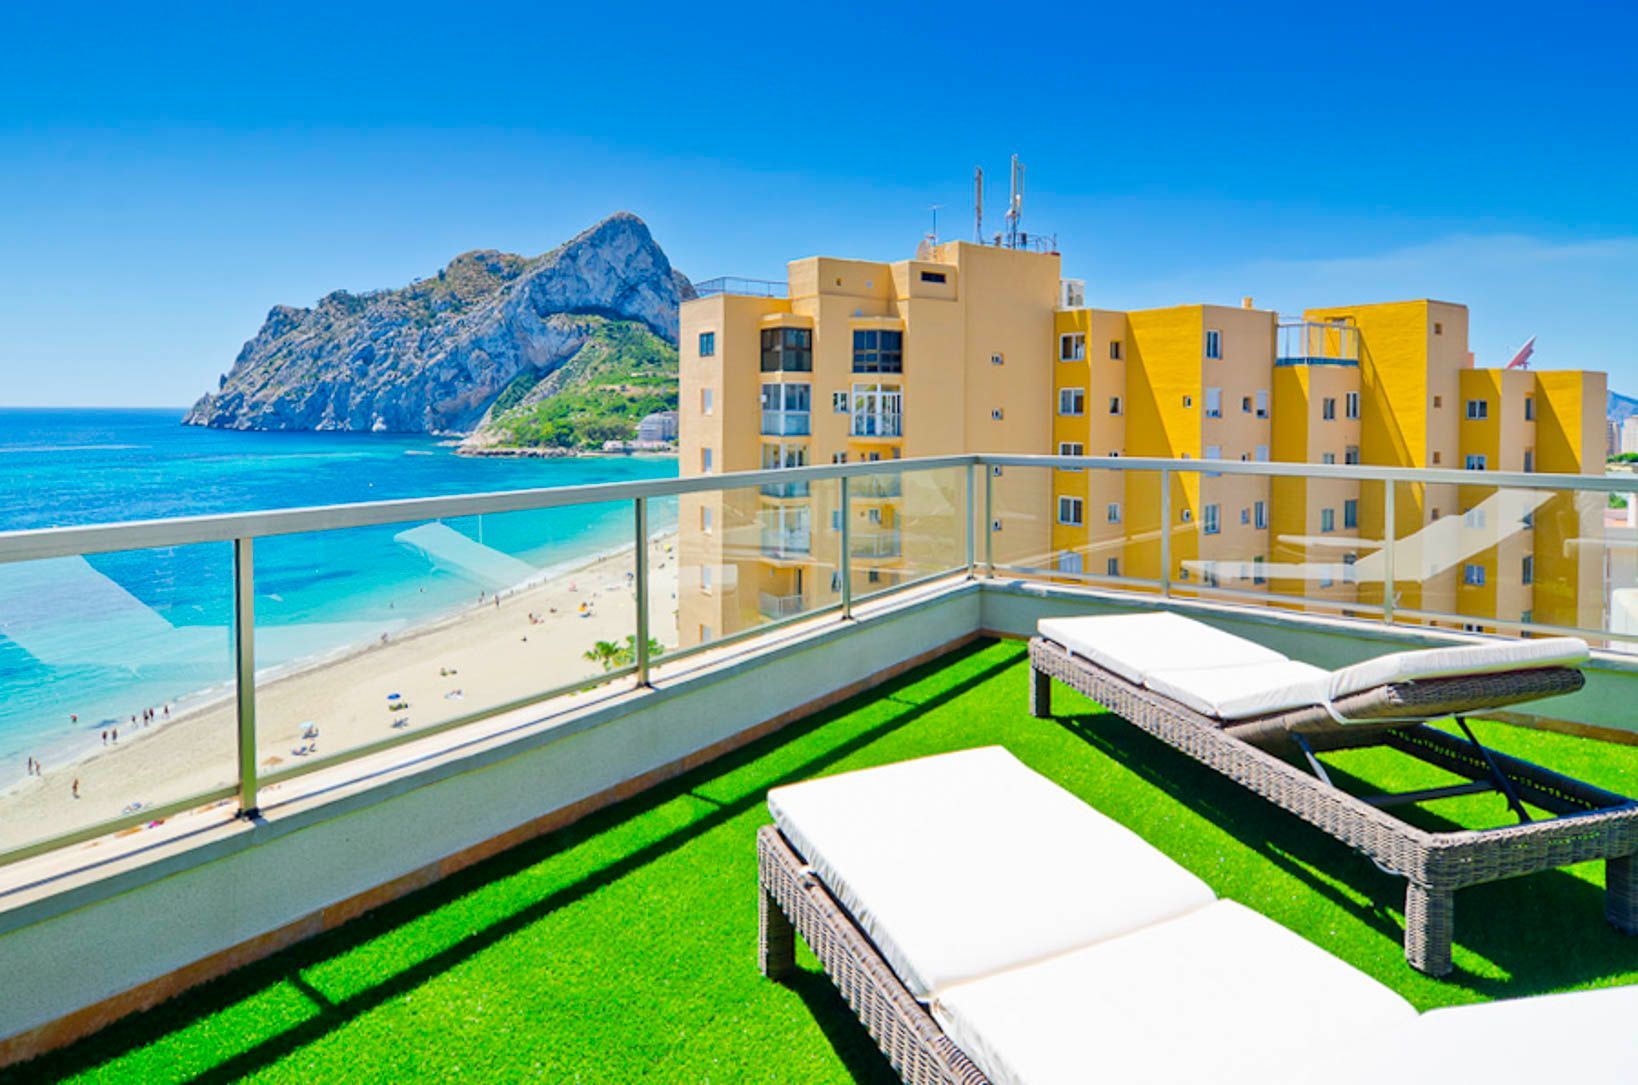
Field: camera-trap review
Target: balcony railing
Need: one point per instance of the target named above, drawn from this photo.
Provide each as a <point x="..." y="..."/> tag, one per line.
<point x="732" y="284"/>
<point x="780" y="606"/>
<point x="878" y="425"/>
<point x="785" y="423"/>
<point x="1584" y="585"/>
<point x="786" y="542"/>
<point x="876" y="487"/>
<point x="785" y="489"/>
<point x="1307" y="342"/>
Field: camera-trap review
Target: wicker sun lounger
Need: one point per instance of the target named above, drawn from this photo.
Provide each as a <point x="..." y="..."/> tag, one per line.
<point x="1590" y="824"/>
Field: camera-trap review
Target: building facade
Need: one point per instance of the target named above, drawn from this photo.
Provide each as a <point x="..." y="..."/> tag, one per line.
<point x="975" y="349"/>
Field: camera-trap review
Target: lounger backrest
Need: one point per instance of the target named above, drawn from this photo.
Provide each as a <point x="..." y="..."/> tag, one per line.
<point x="1490" y="658"/>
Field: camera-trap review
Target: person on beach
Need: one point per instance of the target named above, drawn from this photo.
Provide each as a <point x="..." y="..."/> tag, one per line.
<point x="105" y="738"/>
<point x="76" y="787"/>
<point x="115" y="733"/>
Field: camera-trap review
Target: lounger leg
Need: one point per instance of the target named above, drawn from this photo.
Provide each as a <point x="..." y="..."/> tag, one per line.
<point x="1430" y="920"/>
<point x="1621" y="893"/>
<point x="1040" y="694"/>
<point x="776" y="939"/>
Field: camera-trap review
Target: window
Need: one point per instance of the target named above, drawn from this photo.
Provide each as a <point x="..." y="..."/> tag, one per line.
<point x="1114" y="404"/>
<point x="1210" y="519"/>
<point x="873" y="576"/>
<point x="705" y="461"/>
<point x="878" y="411"/>
<point x="1069" y="511"/>
<point x="1071" y="448"/>
<point x="1529" y="408"/>
<point x="1214" y="403"/>
<point x="1527" y="616"/>
<point x="705" y="578"/>
<point x="1245" y="404"/>
<point x="1475" y="463"/>
<point x="1328" y="409"/>
<point x="707" y="401"/>
<point x="933" y="277"/>
<point x="1529" y="460"/>
<point x="708" y="344"/>
<point x="1112" y="566"/>
<point x="1325" y="580"/>
<point x="1114" y="350"/>
<point x="998" y="358"/>
<point x="878" y="351"/>
<point x="1072" y="347"/>
<point x="1262" y="403"/>
<point x="1350" y="454"/>
<point x="1212" y="452"/>
<point x="1257" y="576"/>
<point x="1261" y="455"/>
<point x="838" y="402"/>
<point x="1473" y="574"/>
<point x="836" y="519"/>
<point x="1188" y="516"/>
<point x="1350" y="404"/>
<point x="1328" y="520"/>
<point x="996" y="415"/>
<point x="1350" y="512"/>
<point x="705" y="633"/>
<point x="787" y="350"/>
<point x="1259" y="515"/>
<point x="1069" y="562"/>
<point x="995" y="525"/>
<point x="1350" y="575"/>
<point x="1214" y="344"/>
<point x="1245" y="516"/>
<point x="1112" y="513"/>
<point x="1071" y="401"/>
<point x="1438" y="401"/>
<point x="705" y="519"/>
<point x="838" y="457"/>
<point x="1436" y="458"/>
<point x="1528" y="569"/>
<point x="1328" y="457"/>
<point x="1188" y="401"/>
<point x="1473" y="518"/>
<point x="1478" y="410"/>
<point x="1438" y="328"/>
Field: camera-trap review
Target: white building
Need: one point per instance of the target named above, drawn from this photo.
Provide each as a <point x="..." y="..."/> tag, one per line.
<point x="660" y="426"/>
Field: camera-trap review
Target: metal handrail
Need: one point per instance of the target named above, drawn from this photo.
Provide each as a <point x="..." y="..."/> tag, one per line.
<point x="858" y="479"/>
<point x="733" y="284"/>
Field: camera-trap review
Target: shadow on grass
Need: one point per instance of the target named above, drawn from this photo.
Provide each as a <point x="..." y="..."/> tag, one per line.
<point x="840" y="1027"/>
<point x="1544" y="931"/>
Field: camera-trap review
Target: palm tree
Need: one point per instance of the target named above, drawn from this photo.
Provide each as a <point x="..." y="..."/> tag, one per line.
<point x="606" y="653"/>
<point x="626" y="654"/>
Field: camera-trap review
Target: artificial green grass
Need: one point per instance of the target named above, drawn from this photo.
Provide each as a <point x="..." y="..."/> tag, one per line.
<point x="622" y="949"/>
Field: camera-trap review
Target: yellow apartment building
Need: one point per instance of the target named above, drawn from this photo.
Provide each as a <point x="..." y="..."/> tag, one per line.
<point x="979" y="348"/>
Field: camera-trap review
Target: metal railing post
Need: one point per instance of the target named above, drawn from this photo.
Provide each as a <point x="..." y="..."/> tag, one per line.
<point x="1388" y="532"/>
<point x="989" y="521"/>
<point x="640" y="584"/>
<point x="972" y="519"/>
<point x="844" y="561"/>
<point x="244" y="653"/>
<point x="1165" y="532"/>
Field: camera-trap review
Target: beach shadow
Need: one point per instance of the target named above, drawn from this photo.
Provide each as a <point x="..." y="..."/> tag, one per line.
<point x="1544" y="931"/>
<point x="286" y="967"/>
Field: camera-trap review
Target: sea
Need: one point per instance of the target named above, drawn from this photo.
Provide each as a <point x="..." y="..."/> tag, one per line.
<point x="88" y="642"/>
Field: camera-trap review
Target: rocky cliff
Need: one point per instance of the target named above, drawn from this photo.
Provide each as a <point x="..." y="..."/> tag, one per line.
<point x="432" y="357"/>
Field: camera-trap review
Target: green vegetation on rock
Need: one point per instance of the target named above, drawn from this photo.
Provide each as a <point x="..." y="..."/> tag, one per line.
<point x="621" y="373"/>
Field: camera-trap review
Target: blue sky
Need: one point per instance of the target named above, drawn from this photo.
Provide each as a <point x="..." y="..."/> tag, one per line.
<point x="167" y="177"/>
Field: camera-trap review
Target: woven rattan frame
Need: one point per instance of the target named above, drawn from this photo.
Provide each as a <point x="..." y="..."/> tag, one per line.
<point x="1595" y="824"/>
<point x="792" y="901"/>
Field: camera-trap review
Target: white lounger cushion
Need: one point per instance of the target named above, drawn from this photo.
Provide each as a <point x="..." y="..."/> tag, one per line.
<point x="1235" y="693"/>
<point x="963" y="864"/>
<point x="1231" y="678"/>
<point x="1135" y="645"/>
<point x="1575" y="1036"/>
<point x="1220" y="995"/>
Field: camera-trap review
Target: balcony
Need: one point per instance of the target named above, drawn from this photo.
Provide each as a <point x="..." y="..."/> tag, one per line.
<point x="1306" y="342"/>
<point x="876" y="487"/>
<point x="749" y="288"/>
<point x="785" y="490"/>
<point x="786" y="543"/>
<point x="877" y="425"/>
<point x="779" y="606"/>
<point x="785" y="423"/>
<point x="547" y="842"/>
<point x="875" y="544"/>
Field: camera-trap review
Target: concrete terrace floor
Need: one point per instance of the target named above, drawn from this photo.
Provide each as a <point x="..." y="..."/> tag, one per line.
<point x="623" y="949"/>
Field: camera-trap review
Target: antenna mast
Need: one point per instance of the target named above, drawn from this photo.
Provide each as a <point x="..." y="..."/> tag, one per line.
<point x="1015" y="205"/>
<point x="978" y="204"/>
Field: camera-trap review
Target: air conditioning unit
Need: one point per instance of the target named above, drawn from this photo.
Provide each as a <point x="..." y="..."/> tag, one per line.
<point x="1071" y="293"/>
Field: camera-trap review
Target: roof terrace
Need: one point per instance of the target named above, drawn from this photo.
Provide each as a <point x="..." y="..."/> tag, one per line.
<point x="553" y="874"/>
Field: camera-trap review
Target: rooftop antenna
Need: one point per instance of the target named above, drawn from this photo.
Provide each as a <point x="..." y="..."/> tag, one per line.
<point x="1015" y="205"/>
<point x="978" y="204"/>
<point x="934" y="208"/>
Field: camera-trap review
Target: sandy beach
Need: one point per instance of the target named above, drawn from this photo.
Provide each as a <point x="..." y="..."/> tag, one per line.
<point x="525" y="642"/>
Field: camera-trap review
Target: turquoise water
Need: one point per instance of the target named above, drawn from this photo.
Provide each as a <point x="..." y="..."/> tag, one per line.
<point x="85" y="643"/>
